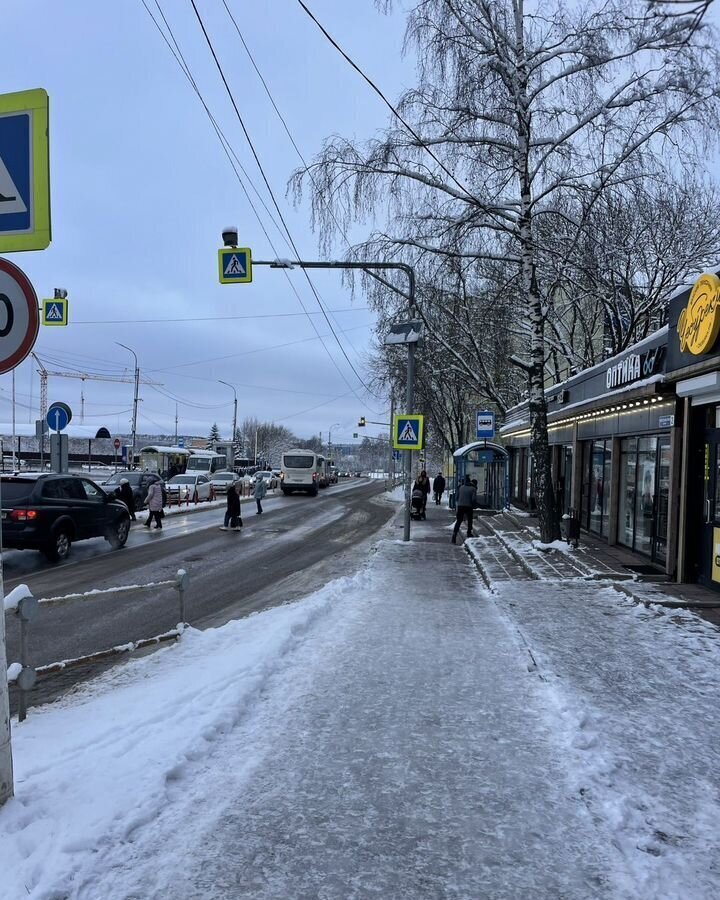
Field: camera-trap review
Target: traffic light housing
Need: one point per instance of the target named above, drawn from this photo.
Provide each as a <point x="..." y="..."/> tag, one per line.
<point x="361" y="423"/>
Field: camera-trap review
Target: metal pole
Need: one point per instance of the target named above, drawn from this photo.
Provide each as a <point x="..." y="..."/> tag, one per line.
<point x="6" y="767"/>
<point x="409" y="401"/>
<point x="370" y="266"/>
<point x="234" y="424"/>
<point x="14" y="465"/>
<point x="24" y="661"/>
<point x="135" y="400"/>
<point x="391" y="450"/>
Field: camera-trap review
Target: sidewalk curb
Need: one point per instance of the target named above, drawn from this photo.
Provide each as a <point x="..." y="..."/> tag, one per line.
<point x="479" y="567"/>
<point x="669" y="602"/>
<point x="523" y="563"/>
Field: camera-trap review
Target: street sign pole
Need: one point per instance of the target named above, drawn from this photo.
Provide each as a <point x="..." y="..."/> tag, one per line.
<point x="409" y="403"/>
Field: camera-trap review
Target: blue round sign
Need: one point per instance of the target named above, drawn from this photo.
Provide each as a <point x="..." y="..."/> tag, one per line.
<point x="58" y="416"/>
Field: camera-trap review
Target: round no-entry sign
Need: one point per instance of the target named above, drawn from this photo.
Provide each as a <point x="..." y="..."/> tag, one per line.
<point x="19" y="317"/>
<point x="116" y="443"/>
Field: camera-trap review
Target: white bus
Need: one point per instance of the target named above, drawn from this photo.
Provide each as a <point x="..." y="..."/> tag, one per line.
<point x="207" y="461"/>
<point x="161" y="460"/>
<point x="302" y="470"/>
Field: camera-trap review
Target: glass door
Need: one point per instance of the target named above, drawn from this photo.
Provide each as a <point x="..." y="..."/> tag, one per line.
<point x="710" y="562"/>
<point x="662" y="501"/>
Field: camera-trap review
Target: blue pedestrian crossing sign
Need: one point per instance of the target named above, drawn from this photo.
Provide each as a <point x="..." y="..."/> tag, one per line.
<point x="409" y="432"/>
<point x="485" y="425"/>
<point x="24" y="171"/>
<point x="55" y="312"/>
<point x="235" y="265"/>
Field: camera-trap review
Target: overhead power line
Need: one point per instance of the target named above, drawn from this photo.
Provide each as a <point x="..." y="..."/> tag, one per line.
<point x="211" y="318"/>
<point x="387" y="103"/>
<point x="236" y="164"/>
<point x="273" y="198"/>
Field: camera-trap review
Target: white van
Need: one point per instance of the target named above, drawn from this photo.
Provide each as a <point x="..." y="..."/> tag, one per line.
<point x="206" y="461"/>
<point x="302" y="470"/>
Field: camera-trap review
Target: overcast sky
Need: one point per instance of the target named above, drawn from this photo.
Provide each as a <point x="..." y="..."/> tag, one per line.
<point x="141" y="190"/>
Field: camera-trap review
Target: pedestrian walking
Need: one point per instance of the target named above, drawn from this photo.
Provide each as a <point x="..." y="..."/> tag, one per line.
<point x="423" y="482"/>
<point x="259" y="493"/>
<point x="155" y="504"/>
<point x="438" y="488"/>
<point x="232" y="513"/>
<point x="466" y="497"/>
<point x="128" y="498"/>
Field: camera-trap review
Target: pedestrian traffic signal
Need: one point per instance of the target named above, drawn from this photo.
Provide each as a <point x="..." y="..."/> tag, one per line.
<point x="361" y="423"/>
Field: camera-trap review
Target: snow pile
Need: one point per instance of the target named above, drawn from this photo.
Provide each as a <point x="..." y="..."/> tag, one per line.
<point x="111" y="753"/>
<point x="562" y="546"/>
<point x="15" y="596"/>
<point x="13" y="670"/>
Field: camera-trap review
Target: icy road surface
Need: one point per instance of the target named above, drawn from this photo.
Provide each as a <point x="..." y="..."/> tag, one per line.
<point x="400" y="734"/>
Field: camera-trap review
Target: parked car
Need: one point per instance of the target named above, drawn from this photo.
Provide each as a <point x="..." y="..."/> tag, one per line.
<point x="48" y="512"/>
<point x="190" y="486"/>
<point x="139" y="482"/>
<point x="221" y="481"/>
<point x="270" y="478"/>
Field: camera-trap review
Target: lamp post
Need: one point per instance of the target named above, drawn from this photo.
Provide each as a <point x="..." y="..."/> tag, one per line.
<point x="234" y="424"/>
<point x="135" y="400"/>
<point x="334" y="425"/>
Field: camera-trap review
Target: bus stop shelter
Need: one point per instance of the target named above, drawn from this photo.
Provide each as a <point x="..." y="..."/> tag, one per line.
<point x="487" y="463"/>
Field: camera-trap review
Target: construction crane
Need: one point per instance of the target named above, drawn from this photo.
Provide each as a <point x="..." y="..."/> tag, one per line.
<point x="83" y="376"/>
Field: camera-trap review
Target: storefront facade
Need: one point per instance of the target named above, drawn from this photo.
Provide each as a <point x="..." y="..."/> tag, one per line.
<point x="693" y="371"/>
<point x="635" y="443"/>
<point x="612" y="433"/>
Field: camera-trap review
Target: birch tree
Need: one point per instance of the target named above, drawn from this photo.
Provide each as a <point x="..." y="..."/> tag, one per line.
<point x="518" y="106"/>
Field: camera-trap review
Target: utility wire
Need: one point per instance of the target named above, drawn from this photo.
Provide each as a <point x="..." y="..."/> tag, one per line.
<point x="273" y="198"/>
<point x="387" y="103"/>
<point x="230" y="153"/>
<point x="290" y="137"/>
<point x="214" y="359"/>
<point x="211" y="318"/>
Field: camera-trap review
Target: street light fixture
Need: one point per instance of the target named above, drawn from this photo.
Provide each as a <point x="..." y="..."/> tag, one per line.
<point x="234" y="425"/>
<point x="334" y="424"/>
<point x="135" y="401"/>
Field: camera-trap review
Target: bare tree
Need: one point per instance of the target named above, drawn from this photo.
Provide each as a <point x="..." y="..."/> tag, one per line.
<point x="520" y="113"/>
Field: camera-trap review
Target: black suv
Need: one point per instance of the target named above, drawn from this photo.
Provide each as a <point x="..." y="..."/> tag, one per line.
<point x="48" y="512"/>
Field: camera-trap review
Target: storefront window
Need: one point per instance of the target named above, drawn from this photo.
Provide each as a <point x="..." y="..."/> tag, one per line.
<point x="607" y="478"/>
<point x="626" y="499"/>
<point x="663" y="500"/>
<point x="599" y="487"/>
<point x="645" y="486"/>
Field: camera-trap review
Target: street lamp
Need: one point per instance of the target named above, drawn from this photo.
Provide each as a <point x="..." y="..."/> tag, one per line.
<point x="135" y="400"/>
<point x="234" y="424"/>
<point x="334" y="424"/>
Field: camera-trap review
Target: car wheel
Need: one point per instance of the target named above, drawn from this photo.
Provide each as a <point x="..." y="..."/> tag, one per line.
<point x="59" y="547"/>
<point x="118" y="535"/>
<point x="285" y="491"/>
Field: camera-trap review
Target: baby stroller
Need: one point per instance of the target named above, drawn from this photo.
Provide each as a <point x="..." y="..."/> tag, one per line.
<point x="417" y="504"/>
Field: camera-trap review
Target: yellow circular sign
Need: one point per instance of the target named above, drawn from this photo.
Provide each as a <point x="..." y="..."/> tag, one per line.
<point x="699" y="323"/>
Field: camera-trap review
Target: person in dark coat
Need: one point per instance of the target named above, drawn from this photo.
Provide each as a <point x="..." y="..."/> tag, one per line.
<point x="125" y="493"/>
<point x="466" y="497"/>
<point x="438" y="488"/>
<point x="232" y="513"/>
<point x="423" y="482"/>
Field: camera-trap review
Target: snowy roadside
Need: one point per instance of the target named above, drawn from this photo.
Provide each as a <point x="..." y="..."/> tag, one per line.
<point x="111" y="751"/>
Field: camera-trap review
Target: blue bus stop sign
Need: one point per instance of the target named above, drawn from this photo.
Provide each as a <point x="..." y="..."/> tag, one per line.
<point x="59" y="416"/>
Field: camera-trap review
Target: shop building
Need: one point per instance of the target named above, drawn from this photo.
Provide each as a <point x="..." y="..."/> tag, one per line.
<point x="613" y="437"/>
<point x="635" y="442"/>
<point x="693" y="372"/>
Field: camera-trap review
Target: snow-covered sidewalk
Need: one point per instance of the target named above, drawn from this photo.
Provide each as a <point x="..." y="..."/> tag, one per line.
<point x="403" y="733"/>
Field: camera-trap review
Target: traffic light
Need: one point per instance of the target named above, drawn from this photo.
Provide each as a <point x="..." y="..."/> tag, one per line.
<point x="361" y="423"/>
